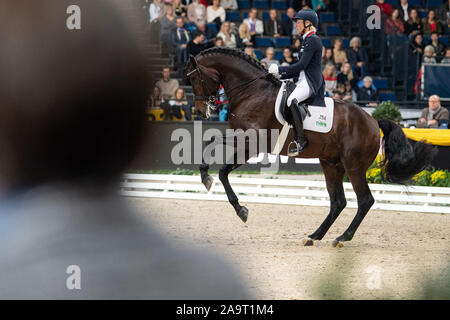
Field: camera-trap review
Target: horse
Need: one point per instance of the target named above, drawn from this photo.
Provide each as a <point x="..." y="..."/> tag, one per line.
<point x="350" y="147"/>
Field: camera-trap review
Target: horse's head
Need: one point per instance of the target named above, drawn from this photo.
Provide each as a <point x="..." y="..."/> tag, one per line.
<point x="205" y="83"/>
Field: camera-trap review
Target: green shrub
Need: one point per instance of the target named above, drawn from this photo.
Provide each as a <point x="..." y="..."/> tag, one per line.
<point x="387" y="110"/>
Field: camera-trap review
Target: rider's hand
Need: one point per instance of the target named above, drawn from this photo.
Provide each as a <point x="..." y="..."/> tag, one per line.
<point x="273" y="69"/>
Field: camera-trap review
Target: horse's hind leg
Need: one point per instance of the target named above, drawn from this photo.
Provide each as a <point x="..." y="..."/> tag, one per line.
<point x="365" y="202"/>
<point x="241" y="211"/>
<point x="334" y="175"/>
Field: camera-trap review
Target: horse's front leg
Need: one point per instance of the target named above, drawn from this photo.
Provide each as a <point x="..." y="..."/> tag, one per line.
<point x="207" y="180"/>
<point x="241" y="211"/>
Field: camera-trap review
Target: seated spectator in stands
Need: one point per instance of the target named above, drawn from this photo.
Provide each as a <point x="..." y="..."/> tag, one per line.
<point x="329" y="75"/>
<point x="156" y="10"/>
<point x="327" y="57"/>
<point x="348" y="93"/>
<point x="180" y="37"/>
<point x="167" y="23"/>
<point x="289" y="28"/>
<point x="304" y="4"/>
<point x="229" y="4"/>
<point x="318" y="5"/>
<point x="439" y="47"/>
<point x="229" y="39"/>
<point x="431" y="23"/>
<point x="218" y="42"/>
<point x="339" y="54"/>
<point x="446" y="60"/>
<point x="296" y="48"/>
<point x="269" y="59"/>
<point x="346" y="75"/>
<point x="215" y="13"/>
<point x="444" y="13"/>
<point x="155" y="99"/>
<point x="357" y="57"/>
<point x="367" y="93"/>
<point x="179" y="8"/>
<point x="196" y="12"/>
<point x="179" y="103"/>
<point x="404" y="10"/>
<point x="251" y="52"/>
<point x="417" y="44"/>
<point x="429" y="54"/>
<point x="394" y="24"/>
<point x="432" y="115"/>
<point x="207" y="32"/>
<point x="254" y="25"/>
<point x="287" y="57"/>
<point x="414" y="25"/>
<point x="244" y="37"/>
<point x="206" y="3"/>
<point x="167" y="85"/>
<point x="386" y="8"/>
<point x="273" y="27"/>
<point x="196" y="45"/>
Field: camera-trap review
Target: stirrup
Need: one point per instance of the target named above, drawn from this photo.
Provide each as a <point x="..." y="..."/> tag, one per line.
<point x="298" y="148"/>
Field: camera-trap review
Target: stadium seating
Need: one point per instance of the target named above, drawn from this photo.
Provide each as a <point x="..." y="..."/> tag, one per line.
<point x="282" y="42"/>
<point x="263" y="42"/>
<point x="258" y="54"/>
<point x="279" y="55"/>
<point x="280" y="5"/>
<point x="261" y="4"/>
<point x="415" y="3"/>
<point x="243" y="4"/>
<point x="333" y="30"/>
<point x="326" y="17"/>
<point x="212" y="26"/>
<point x="265" y="16"/>
<point x="233" y="16"/>
<point x="381" y="83"/>
<point x="388" y="97"/>
<point x="433" y="4"/>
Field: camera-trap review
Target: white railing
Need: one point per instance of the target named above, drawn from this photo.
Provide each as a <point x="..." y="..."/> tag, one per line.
<point x="284" y="191"/>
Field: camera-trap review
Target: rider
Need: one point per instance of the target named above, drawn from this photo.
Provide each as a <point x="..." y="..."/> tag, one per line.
<point x="310" y="85"/>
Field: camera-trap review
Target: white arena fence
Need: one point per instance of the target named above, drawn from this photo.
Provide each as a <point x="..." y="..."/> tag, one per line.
<point x="283" y="191"/>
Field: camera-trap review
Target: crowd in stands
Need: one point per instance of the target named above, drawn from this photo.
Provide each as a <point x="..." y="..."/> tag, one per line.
<point x="187" y="27"/>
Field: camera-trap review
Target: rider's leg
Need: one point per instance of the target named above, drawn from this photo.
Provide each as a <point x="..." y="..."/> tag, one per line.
<point x="301" y="93"/>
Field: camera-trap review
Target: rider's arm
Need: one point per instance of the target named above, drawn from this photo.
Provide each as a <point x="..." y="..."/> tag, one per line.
<point x="293" y="70"/>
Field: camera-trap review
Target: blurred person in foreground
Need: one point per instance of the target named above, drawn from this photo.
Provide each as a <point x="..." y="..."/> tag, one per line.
<point x="434" y="115"/>
<point x="64" y="146"/>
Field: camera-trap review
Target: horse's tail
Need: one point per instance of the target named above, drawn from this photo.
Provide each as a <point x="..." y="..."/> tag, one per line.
<point x="402" y="160"/>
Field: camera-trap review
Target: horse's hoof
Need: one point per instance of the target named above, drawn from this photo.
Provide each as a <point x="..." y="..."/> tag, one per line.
<point x="208" y="182"/>
<point x="337" y="244"/>
<point x="243" y="214"/>
<point x="307" y="242"/>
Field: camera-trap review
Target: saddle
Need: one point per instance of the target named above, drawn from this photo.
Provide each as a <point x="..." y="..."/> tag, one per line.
<point x="285" y="110"/>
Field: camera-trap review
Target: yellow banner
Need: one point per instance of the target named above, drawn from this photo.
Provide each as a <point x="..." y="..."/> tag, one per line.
<point x="438" y="137"/>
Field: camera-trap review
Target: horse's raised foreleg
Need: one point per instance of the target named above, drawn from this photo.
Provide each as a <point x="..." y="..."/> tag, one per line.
<point x="207" y="180"/>
<point x="241" y="211"/>
<point x="365" y="202"/>
<point x="334" y="175"/>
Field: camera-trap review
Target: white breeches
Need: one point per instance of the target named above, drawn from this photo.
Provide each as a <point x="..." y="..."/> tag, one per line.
<point x="301" y="92"/>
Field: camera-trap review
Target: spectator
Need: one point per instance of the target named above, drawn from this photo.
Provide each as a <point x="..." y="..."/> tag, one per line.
<point x="244" y="36"/>
<point x="207" y="32"/>
<point x="251" y="52"/>
<point x="439" y="47"/>
<point x="255" y="25"/>
<point x="446" y="60"/>
<point x="417" y="44"/>
<point x="167" y="23"/>
<point x="303" y="4"/>
<point x="155" y="99"/>
<point x="196" y="45"/>
<point x="222" y="104"/>
<point x="330" y="78"/>
<point x="180" y="37"/>
<point x="444" y="13"/>
<point x="431" y="24"/>
<point x="179" y="8"/>
<point x="327" y="57"/>
<point x="414" y="25"/>
<point x="180" y="103"/>
<point x="156" y="10"/>
<point x="318" y="5"/>
<point x="219" y="42"/>
<point x="386" y="8"/>
<point x="269" y="59"/>
<point x="273" y="27"/>
<point x="357" y="57"/>
<point x="394" y="24"/>
<point x="428" y="56"/>
<point x="404" y="10"/>
<point x="167" y="85"/>
<point x="432" y="115"/>
<point x="367" y="92"/>
<point x="196" y="12"/>
<point x="287" y="57"/>
<point x="289" y="28"/>
<point x="296" y="48"/>
<point x="348" y="93"/>
<point x="215" y="14"/>
<point x="339" y="54"/>
<point x="206" y="3"/>
<point x="346" y="75"/>
<point x="229" y="39"/>
<point x="229" y="4"/>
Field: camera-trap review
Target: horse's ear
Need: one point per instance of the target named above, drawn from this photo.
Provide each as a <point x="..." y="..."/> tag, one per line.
<point x="192" y="61"/>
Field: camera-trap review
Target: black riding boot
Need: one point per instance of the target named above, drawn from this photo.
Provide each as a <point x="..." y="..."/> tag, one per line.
<point x="300" y="143"/>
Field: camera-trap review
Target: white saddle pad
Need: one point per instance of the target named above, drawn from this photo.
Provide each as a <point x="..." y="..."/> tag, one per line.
<point x="321" y="119"/>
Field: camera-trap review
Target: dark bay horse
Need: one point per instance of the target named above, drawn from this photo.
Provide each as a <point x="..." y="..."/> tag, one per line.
<point x="349" y="148"/>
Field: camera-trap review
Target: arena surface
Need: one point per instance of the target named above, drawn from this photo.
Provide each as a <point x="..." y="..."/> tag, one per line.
<point x="400" y="249"/>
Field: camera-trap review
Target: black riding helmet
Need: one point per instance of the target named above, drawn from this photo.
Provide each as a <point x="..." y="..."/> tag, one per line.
<point x="307" y="14"/>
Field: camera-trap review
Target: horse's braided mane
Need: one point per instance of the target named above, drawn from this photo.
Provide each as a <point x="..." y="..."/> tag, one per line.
<point x="242" y="55"/>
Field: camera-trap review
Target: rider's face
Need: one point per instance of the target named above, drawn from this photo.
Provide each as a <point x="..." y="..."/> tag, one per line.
<point x="300" y="25"/>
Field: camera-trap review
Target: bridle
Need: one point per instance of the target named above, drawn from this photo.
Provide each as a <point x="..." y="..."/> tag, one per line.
<point x="210" y="99"/>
